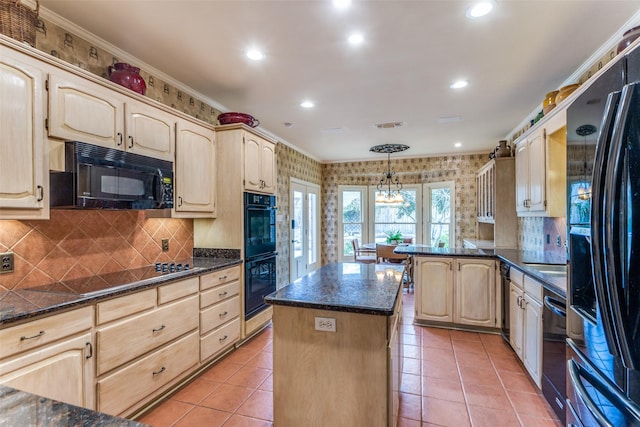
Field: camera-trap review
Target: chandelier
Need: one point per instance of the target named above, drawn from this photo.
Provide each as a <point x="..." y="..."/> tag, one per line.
<point x="389" y="179"/>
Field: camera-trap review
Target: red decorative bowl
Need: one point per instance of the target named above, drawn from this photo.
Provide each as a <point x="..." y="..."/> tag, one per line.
<point x="228" y="118"/>
<point x="627" y="38"/>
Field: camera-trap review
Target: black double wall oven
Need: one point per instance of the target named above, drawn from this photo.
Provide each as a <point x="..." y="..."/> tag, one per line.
<point x="260" y="251"/>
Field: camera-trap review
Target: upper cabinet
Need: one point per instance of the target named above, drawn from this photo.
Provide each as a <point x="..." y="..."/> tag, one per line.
<point x="81" y="110"/>
<point x="24" y="159"/>
<point x="259" y="164"/>
<point x="541" y="169"/>
<point x="195" y="171"/>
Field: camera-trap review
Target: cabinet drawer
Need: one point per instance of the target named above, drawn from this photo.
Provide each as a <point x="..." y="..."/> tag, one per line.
<point x="219" y="293"/>
<point x="177" y="290"/>
<point x="130" y="338"/>
<point x="517" y="277"/>
<point x="219" y="339"/>
<point x="118" y="308"/>
<point x="216" y="278"/>
<point x="533" y="288"/>
<point x="131" y="384"/>
<point x="43" y="331"/>
<point x="218" y="314"/>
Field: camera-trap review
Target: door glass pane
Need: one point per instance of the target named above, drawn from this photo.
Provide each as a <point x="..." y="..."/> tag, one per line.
<point x="351" y="219"/>
<point x="297" y="223"/>
<point x="313" y="219"/>
<point x="440" y="216"/>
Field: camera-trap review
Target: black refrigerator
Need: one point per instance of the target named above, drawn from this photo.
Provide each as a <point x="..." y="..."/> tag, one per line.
<point x="603" y="219"/>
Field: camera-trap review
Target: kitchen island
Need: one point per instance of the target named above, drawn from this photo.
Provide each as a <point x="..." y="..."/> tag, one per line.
<point x="337" y="347"/>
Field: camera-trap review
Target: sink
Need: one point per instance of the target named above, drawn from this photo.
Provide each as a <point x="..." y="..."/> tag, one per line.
<point x="550" y="269"/>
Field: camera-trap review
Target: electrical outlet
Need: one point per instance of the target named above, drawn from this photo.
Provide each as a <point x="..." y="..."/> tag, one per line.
<point x="7" y="262"/>
<point x="558" y="241"/>
<point x="325" y="324"/>
<point x="165" y="245"/>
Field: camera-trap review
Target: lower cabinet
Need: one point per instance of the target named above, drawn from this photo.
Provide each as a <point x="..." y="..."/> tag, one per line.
<point x="525" y="322"/>
<point x="456" y="290"/>
<point x="51" y="357"/>
<point x="395" y="356"/>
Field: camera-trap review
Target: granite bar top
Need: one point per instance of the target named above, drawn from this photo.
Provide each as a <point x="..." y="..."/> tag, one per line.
<point x="349" y="287"/>
<point x="19" y="408"/>
<point x="516" y="258"/>
<point x="22" y="304"/>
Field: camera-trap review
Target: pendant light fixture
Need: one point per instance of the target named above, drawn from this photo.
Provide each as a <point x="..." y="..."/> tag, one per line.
<point x="584" y="189"/>
<point x="389" y="179"/>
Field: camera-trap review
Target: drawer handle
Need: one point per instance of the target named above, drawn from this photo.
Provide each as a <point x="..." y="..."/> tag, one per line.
<point x="130" y="141"/>
<point x="38" y="335"/>
<point x="90" y="348"/>
<point x="40" y="189"/>
<point x="222" y="294"/>
<point x="222" y="278"/>
<point x="120" y="138"/>
<point x="224" y="314"/>
<point x="160" y="371"/>
<point x="158" y="329"/>
<point x="223" y="338"/>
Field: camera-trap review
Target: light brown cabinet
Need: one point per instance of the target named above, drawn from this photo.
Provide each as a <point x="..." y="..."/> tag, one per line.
<point x="195" y="172"/>
<point x="259" y="165"/>
<point x="541" y="169"/>
<point x="145" y="341"/>
<point x="51" y="357"/>
<point x="456" y="290"/>
<point x="525" y="322"/>
<point x="219" y="311"/>
<point x="497" y="223"/>
<point x="24" y="164"/>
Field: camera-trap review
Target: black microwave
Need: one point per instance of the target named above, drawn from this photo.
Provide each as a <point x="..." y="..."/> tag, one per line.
<point x="105" y="178"/>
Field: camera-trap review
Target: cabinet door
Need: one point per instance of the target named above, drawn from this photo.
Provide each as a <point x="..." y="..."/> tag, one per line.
<point x="195" y="174"/>
<point x="268" y="167"/>
<point x="434" y="289"/>
<point x="150" y="132"/>
<point x="522" y="176"/>
<point x="475" y="292"/>
<point x="516" y="318"/>
<point x="80" y="110"/>
<point x="532" y="340"/>
<point x="62" y="371"/>
<point x="23" y="159"/>
<point x="252" y="163"/>
<point x="537" y="172"/>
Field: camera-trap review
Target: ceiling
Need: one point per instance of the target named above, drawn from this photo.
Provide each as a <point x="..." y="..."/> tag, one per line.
<point x="412" y="52"/>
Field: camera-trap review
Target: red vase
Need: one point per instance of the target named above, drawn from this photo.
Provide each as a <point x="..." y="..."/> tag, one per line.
<point x="128" y="76"/>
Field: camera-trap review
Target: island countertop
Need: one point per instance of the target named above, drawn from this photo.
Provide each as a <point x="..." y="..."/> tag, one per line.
<point x="348" y="287"/>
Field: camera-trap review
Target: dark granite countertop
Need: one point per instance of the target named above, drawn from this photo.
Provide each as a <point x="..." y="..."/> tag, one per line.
<point x="19" y="408"/>
<point x="516" y="258"/>
<point x="21" y="304"/>
<point x="350" y="287"/>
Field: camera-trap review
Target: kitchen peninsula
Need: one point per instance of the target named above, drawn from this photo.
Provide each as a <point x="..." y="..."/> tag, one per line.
<point x="337" y="347"/>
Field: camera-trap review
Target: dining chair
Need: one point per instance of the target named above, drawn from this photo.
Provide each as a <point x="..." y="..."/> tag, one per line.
<point x="364" y="256"/>
<point x="407" y="240"/>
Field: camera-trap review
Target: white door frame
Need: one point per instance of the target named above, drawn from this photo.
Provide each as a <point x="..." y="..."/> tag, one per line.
<point x="301" y="267"/>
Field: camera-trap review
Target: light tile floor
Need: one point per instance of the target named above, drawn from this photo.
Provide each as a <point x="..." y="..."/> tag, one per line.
<point x="450" y="378"/>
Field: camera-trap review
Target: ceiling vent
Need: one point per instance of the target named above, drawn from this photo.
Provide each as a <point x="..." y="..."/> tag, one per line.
<point x="389" y="125"/>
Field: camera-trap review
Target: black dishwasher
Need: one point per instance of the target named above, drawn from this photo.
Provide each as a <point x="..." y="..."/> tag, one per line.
<point x="554" y="333"/>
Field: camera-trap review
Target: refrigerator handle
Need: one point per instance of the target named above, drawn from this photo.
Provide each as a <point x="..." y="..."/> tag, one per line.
<point x="619" y="401"/>
<point x="615" y="193"/>
<point x="597" y="220"/>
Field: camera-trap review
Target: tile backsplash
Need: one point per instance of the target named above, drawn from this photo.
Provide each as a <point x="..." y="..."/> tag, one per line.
<point x="81" y="243"/>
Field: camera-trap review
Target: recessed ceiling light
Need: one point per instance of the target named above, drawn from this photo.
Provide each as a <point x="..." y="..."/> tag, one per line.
<point x="356" y="39"/>
<point x="341" y="4"/>
<point x="307" y="104"/>
<point x="479" y="9"/>
<point x="459" y="84"/>
<point x="458" y="144"/>
<point x="255" y="54"/>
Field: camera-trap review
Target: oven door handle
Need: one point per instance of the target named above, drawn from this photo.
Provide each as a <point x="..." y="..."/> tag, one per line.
<point x="555" y="306"/>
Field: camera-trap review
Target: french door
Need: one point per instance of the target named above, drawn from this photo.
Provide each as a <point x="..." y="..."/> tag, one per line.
<point x="304" y="205"/>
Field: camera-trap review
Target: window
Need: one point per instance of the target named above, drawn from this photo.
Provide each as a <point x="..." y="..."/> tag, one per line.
<point x="353" y="218"/>
<point x="391" y="218"/>
<point x="439" y="205"/>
